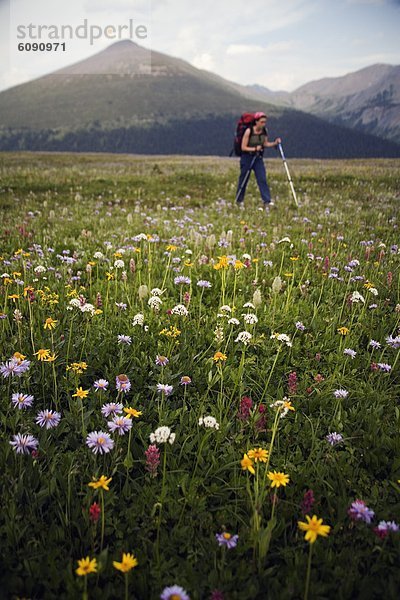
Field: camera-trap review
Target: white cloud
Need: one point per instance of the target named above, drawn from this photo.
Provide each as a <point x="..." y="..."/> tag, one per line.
<point x="204" y="61"/>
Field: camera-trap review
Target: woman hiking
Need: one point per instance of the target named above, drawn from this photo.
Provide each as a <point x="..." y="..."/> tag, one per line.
<point x="255" y="139"/>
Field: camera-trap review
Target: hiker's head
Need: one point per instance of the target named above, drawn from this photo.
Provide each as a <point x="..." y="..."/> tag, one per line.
<point x="260" y="118"/>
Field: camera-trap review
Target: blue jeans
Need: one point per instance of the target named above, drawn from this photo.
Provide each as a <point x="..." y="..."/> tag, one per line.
<point x="261" y="177"/>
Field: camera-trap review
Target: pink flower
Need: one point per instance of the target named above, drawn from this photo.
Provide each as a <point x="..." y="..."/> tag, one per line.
<point x="152" y="459"/>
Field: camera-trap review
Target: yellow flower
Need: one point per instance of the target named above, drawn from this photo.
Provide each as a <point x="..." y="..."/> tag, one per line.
<point x="313" y="528"/>
<point x="171" y="247"/>
<point x="42" y="354"/>
<point x="219" y="357"/>
<point x="50" y="358"/>
<point x="238" y="265"/>
<point x="110" y="276"/>
<point x="100" y="483"/>
<point x="19" y="356"/>
<point x="128" y="562"/>
<point x="80" y="393"/>
<point x="86" y="566"/>
<point x="132" y="412"/>
<point x="278" y="479"/>
<point x="343" y="330"/>
<point x="294" y="258"/>
<point x="258" y="454"/>
<point x="369" y="284"/>
<point x="13" y="296"/>
<point x="50" y="323"/>
<point x="288" y="405"/>
<point x="247" y="464"/>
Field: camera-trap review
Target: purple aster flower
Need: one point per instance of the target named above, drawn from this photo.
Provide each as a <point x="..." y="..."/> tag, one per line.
<point x="374" y="344"/>
<point x="393" y="342"/>
<point x="359" y="511"/>
<point x="24" y="443"/>
<point x="164" y="388"/>
<point x="124" y="339"/>
<point x="384" y="367"/>
<point x="185" y="380"/>
<point x="161" y="360"/>
<point x="100" y="384"/>
<point x="227" y="539"/>
<point x="48" y="418"/>
<point x="122" y="383"/>
<point x="120" y="424"/>
<point x="121" y="305"/>
<point x="349" y="352"/>
<point x="22" y="400"/>
<point x="111" y="409"/>
<point x="181" y="279"/>
<point x="203" y="283"/>
<point x="373" y="306"/>
<point x="334" y="438"/>
<point x="340" y="393"/>
<point x="300" y="326"/>
<point x="14" y="367"/>
<point x="383" y="528"/>
<point x="99" y="441"/>
<point x="174" y="592"/>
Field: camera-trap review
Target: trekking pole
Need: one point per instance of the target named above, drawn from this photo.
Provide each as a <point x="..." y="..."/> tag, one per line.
<point x="244" y="182"/>
<point x="288" y="173"/>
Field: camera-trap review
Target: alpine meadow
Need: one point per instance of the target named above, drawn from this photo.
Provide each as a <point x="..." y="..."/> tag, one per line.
<point x="197" y="401"/>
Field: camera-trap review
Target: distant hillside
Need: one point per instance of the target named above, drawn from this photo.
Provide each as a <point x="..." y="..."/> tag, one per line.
<point x="174" y="108"/>
<point x="367" y="100"/>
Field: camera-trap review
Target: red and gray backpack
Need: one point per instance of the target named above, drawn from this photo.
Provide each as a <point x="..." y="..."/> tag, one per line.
<point x="246" y="120"/>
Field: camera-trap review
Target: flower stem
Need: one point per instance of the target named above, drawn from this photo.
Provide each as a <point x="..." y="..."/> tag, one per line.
<point x="307" y="588"/>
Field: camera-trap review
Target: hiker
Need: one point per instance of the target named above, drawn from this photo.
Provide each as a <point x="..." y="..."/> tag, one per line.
<point x="255" y="139"/>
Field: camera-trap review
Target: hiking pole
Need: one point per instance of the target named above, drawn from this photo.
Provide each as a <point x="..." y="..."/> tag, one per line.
<point x="244" y="182"/>
<point x="288" y="173"/>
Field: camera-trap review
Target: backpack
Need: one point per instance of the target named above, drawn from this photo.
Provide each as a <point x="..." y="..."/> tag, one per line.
<point x="246" y="120"/>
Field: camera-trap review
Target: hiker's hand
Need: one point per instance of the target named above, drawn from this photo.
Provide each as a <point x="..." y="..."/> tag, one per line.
<point x="277" y="141"/>
<point x="259" y="148"/>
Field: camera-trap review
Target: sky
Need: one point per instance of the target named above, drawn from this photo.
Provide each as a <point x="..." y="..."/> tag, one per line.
<point x="280" y="44"/>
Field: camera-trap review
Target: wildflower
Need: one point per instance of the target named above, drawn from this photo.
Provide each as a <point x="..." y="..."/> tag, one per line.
<point x="244" y="336"/>
<point x="227" y="539"/>
<point x="152" y="459"/>
<point x="340" y="393"/>
<point x="393" y="342"/>
<point x="122" y="383"/>
<point x="164" y="388"/>
<point x="356" y="297"/>
<point x="374" y="344"/>
<point x="98" y="441"/>
<point x="385" y="527"/>
<point x="138" y="320"/>
<point x="292" y="383"/>
<point x="102" y="483"/>
<point x="120" y="425"/>
<point x="42" y="354"/>
<point x="203" y="283"/>
<point x="244" y="409"/>
<point x="299" y="325"/>
<point x="162" y="435"/>
<point x="343" y="330"/>
<point x="349" y="352"/>
<point x="233" y="321"/>
<point x="284" y="406"/>
<point x="278" y="479"/>
<point x="217" y="595"/>
<point x="209" y="422"/>
<point x="173" y="332"/>
<point x="22" y="400"/>
<point x="80" y="393"/>
<point x="128" y="562"/>
<point x="14" y="367"/>
<point x="100" y="384"/>
<point x="132" y="412"/>
<point x="154" y="302"/>
<point x="182" y="279"/>
<point x="174" y="592"/>
<point x="258" y="454"/>
<point x="94" y="512"/>
<point x="180" y="310"/>
<point x="308" y="502"/>
<point x="111" y="409"/>
<point x="50" y="323"/>
<point x="24" y="443"/>
<point x="86" y="566"/>
<point x="185" y="380"/>
<point x="48" y="418"/>
<point x="124" y="339"/>
<point x="161" y="360"/>
<point x="359" y="511"/>
<point x="334" y="438"/>
<point x="247" y="464"/>
<point x="282" y="337"/>
<point x="313" y="528"/>
<point x="384" y="367"/>
<point x="219" y="357"/>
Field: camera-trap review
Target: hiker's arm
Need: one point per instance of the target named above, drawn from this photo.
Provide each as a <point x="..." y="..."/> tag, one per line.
<point x="245" y="141"/>
<point x="268" y="144"/>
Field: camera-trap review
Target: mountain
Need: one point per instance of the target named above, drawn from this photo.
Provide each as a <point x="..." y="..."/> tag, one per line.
<point x="120" y="105"/>
<point x="367" y="100"/>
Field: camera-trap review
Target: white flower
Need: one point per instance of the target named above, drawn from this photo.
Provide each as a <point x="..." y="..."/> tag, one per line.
<point x="250" y="318"/>
<point x="6" y="275"/>
<point x="88" y="308"/>
<point x="154" y="302"/>
<point x="40" y="269"/>
<point x="373" y="291"/>
<point x="75" y="303"/>
<point x="246" y="256"/>
<point x="162" y="435"/>
<point x="276" y="285"/>
<point x="248" y="305"/>
<point x="282" y="337"/>
<point x="119" y="264"/>
<point x="138" y="319"/>
<point x="219" y="334"/>
<point x="356" y="297"/>
<point x="284" y="239"/>
<point x="181" y="310"/>
<point x="209" y="422"/>
<point x="244" y="336"/>
<point x="156" y="292"/>
<point x="98" y="255"/>
<point x="226" y="308"/>
<point x="233" y="321"/>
